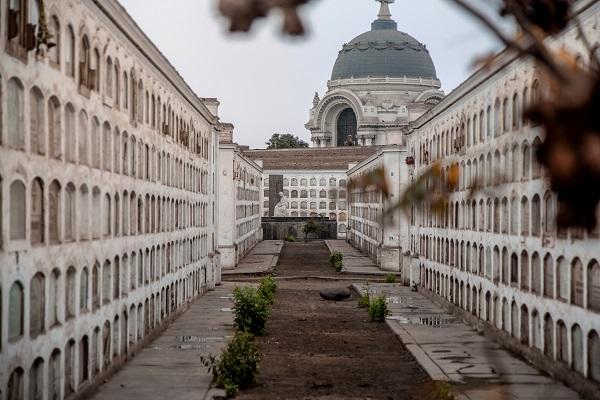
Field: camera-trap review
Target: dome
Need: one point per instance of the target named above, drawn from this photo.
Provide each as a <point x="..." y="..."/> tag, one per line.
<point x="384" y="51"/>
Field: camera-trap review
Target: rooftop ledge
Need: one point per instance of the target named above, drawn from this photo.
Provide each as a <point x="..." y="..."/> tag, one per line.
<point x="398" y="81"/>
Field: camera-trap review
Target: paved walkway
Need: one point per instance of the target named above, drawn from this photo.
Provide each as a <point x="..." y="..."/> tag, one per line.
<point x="355" y="262"/>
<point x="170" y="367"/>
<point x="449" y="350"/>
<point x="261" y="259"/>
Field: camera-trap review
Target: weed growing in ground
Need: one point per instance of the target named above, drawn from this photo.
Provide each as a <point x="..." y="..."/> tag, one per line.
<point x="336" y="260"/>
<point x="364" y="301"/>
<point x="390" y="278"/>
<point x="267" y="288"/>
<point x="290" y="238"/>
<point x="378" y="309"/>
<point x="443" y="391"/>
<point x="236" y="368"/>
<point x="251" y="310"/>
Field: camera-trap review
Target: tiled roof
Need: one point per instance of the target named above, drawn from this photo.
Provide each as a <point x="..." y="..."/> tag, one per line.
<point x="327" y="158"/>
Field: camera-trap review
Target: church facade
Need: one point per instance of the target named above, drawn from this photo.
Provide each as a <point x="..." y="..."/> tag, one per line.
<point x="382" y="80"/>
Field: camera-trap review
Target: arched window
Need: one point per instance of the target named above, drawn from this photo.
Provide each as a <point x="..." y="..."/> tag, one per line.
<point x="577" y="282"/>
<point x="548" y="276"/>
<point x="125" y="85"/>
<point x="69" y="211"/>
<point x="37" y="212"/>
<point x="53" y="215"/>
<point x="14" y="115"/>
<point x="15" y="389"/>
<point x="563" y="271"/>
<point x="516" y="111"/>
<point x="54" y="128"/>
<point x="70" y="52"/>
<point x="515" y="164"/>
<point x="549" y="336"/>
<point x="526" y="159"/>
<point x="36" y="122"/>
<point x="70" y="293"/>
<point x="18" y="207"/>
<point x="70" y="138"/>
<point x="54" y="51"/>
<point x="36" y="380"/>
<point x="96" y="295"/>
<point x="536" y="167"/>
<point x="53" y="300"/>
<point x="562" y="342"/>
<point x="536" y="273"/>
<point x="106" y="216"/>
<point x="593" y="289"/>
<point x="514" y="212"/>
<point x="84" y="356"/>
<point x="109" y="78"/>
<point x="84" y="291"/>
<point x="15" y="311"/>
<point x="594" y="356"/>
<point x="106" y="282"/>
<point x="83" y="138"/>
<point x="497" y="118"/>
<point x="524" y="216"/>
<point x="69" y="368"/>
<point x="95" y="71"/>
<point x="37" y="304"/>
<point x="524" y="271"/>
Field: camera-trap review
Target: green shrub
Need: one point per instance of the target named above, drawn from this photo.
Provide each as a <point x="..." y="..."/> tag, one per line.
<point x="378" y="309"/>
<point x="250" y="310"/>
<point x="390" y="278"/>
<point x="313" y="227"/>
<point x="335" y="257"/>
<point x="290" y="238"/>
<point x="267" y="288"/>
<point x="364" y="301"/>
<point x="236" y="367"/>
<point x="338" y="266"/>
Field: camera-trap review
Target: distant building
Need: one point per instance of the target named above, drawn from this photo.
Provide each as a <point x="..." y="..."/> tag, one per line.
<point x="382" y="80"/>
<point x="313" y="180"/>
<point x="240" y="182"/>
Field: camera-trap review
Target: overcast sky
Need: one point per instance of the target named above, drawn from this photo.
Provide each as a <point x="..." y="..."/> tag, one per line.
<point x="266" y="82"/>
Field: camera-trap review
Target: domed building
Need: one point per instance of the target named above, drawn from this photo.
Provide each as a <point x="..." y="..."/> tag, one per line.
<point x="381" y="80"/>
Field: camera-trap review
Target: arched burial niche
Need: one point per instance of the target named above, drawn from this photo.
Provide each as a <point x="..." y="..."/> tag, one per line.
<point x="346" y="128"/>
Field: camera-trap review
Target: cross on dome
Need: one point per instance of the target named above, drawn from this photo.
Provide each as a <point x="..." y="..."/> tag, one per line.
<point x="384" y="11"/>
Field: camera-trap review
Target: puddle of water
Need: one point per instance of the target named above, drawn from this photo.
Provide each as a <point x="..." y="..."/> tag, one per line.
<point x="198" y="339"/>
<point x="433" y="321"/>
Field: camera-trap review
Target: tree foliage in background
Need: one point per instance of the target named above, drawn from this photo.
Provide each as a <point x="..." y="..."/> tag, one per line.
<point x="285" y="141"/>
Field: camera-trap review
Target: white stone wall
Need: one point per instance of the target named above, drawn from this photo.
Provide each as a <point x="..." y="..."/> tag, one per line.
<point x="239" y="198"/>
<point x="497" y="253"/>
<point x="312" y="194"/>
<point x="375" y="227"/>
<point x="106" y="199"/>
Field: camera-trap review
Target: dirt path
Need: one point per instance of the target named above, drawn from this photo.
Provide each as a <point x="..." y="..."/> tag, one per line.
<point x="315" y="349"/>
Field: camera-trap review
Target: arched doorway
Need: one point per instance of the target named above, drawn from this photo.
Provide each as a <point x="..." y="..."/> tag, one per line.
<point x="346" y="128"/>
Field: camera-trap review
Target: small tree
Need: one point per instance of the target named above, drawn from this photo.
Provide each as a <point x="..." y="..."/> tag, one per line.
<point x="286" y="141"/>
